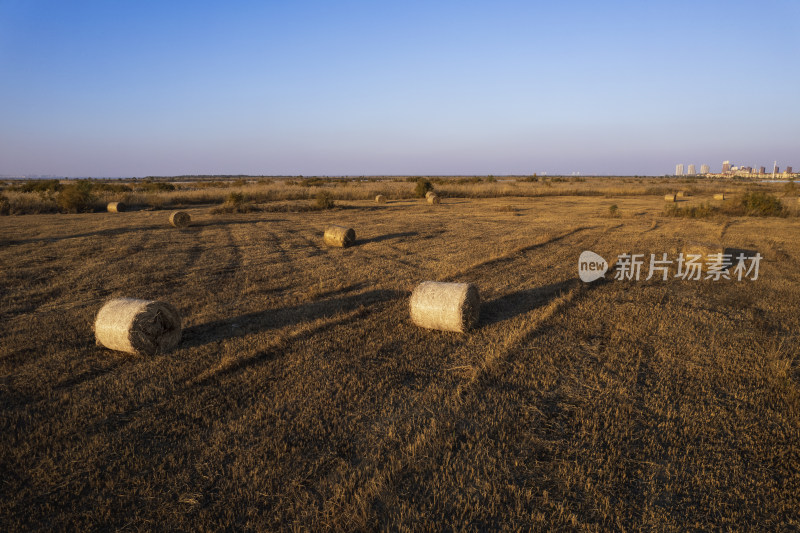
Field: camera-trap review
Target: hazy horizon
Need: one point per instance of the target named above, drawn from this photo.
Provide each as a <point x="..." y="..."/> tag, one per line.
<point x="404" y="89"/>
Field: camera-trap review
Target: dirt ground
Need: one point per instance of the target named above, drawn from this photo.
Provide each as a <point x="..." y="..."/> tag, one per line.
<point x="302" y="395"/>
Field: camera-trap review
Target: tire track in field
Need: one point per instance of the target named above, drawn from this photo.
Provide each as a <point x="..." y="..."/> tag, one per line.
<point x="55" y="307"/>
<point x="253" y="390"/>
<point x="200" y="388"/>
<point x="466" y="392"/>
<point x="514" y="255"/>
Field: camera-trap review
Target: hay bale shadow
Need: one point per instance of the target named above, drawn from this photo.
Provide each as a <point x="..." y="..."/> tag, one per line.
<point x="387" y="237"/>
<point x="519" y="303"/>
<point x="267" y="319"/>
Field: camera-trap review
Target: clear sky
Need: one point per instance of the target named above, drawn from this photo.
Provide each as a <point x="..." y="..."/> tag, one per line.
<point x="136" y="88"/>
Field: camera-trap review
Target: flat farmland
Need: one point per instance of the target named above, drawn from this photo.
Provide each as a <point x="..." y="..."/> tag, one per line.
<point x="302" y="396"/>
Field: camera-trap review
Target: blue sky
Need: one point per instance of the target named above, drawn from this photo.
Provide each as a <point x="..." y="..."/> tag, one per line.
<point x="135" y="88"/>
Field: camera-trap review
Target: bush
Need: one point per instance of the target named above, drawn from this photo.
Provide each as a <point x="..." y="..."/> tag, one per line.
<point x="704" y="210"/>
<point x="761" y="204"/>
<point x="212" y="185"/>
<point x="423" y="186"/>
<point x="324" y="200"/>
<point x="5" y="206"/>
<point x="77" y="197"/>
<point x="40" y="186"/>
<point x="751" y="204"/>
<point x="156" y="186"/>
<point x="111" y="187"/>
<point x="236" y="202"/>
<point x="315" y="182"/>
<point x="613" y="210"/>
<point x="235" y="199"/>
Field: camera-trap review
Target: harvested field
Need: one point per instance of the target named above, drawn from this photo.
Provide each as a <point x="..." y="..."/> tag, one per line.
<point x="302" y="395"/>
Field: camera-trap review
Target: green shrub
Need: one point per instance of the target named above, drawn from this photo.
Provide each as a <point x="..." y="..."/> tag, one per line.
<point x="613" y="210"/>
<point x="761" y="204"/>
<point x="77" y="197"/>
<point x="324" y="200"/>
<point x="704" y="210"/>
<point x="422" y="187"/>
<point x="752" y="204"/>
<point x="5" y="206"/>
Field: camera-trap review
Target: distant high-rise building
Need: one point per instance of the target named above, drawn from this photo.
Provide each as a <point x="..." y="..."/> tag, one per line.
<point x="776" y="169"/>
<point x="788" y="170"/>
<point x="762" y="170"/>
<point x="703" y="169"/>
<point x="726" y="167"/>
<point x="679" y="169"/>
<point x="691" y="170"/>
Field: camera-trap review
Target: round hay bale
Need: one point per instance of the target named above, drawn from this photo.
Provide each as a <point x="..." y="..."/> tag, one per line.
<point x="180" y="219"/>
<point x="433" y="199"/>
<point x="719" y="196"/>
<point x="798" y="200"/>
<point x="380" y="199"/>
<point x="429" y="194"/>
<point x="445" y="306"/>
<point x="681" y="194"/>
<point x="340" y="236"/>
<point x="671" y="197"/>
<point x="137" y="326"/>
<point x="115" y="207"/>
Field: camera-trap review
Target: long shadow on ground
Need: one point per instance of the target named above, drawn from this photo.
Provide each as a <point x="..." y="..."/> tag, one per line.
<point x="267" y="319"/>
<point x="387" y="237"/>
<point x="522" y="302"/>
<point x="99" y="233"/>
<point x="519" y="303"/>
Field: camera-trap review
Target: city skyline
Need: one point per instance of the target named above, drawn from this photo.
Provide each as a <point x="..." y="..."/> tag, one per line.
<point x="102" y="89"/>
<point x="728" y="168"/>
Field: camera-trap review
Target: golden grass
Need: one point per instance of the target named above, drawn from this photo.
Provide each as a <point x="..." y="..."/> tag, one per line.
<point x="270" y="191"/>
<point x="302" y="395"/>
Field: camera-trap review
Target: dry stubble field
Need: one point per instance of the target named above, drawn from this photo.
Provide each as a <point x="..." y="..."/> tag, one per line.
<point x="302" y="396"/>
